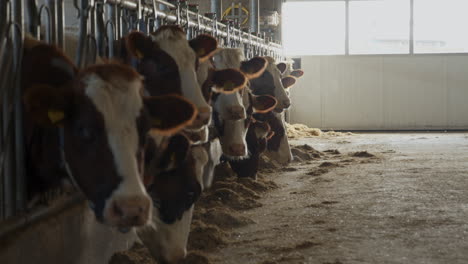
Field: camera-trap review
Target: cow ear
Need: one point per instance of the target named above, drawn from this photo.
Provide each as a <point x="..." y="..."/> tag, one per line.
<point x="48" y="106"/>
<point x="297" y="73"/>
<point x="288" y="81"/>
<point x="228" y="81"/>
<point x="175" y="152"/>
<point x="169" y="113"/>
<point x="205" y="46"/>
<point x="281" y="67"/>
<point x="254" y="68"/>
<point x="138" y="44"/>
<point x="263" y="103"/>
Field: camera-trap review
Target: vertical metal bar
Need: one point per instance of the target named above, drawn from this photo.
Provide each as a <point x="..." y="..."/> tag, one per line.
<point x="100" y="29"/>
<point x="33" y="17"/>
<point x="254" y="15"/>
<point x="20" y="175"/>
<point x="83" y="33"/>
<point x="216" y="7"/>
<point x="110" y="29"/>
<point x="60" y="13"/>
<point x="347" y="27"/>
<point x="53" y="19"/>
<point x="411" y="24"/>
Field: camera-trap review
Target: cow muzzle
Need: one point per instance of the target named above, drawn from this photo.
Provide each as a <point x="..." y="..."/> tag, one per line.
<point x="127" y="212"/>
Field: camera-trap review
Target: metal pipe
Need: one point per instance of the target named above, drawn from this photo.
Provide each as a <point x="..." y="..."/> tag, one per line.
<point x="32" y="14"/>
<point x="60" y="13"/>
<point x="83" y="33"/>
<point x="254" y="15"/>
<point x="53" y="19"/>
<point x="216" y="7"/>
<point x="18" y="36"/>
<point x="205" y="26"/>
<point x="10" y="226"/>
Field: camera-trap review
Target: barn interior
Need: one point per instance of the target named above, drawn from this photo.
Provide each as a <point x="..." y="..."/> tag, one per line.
<point x="357" y="153"/>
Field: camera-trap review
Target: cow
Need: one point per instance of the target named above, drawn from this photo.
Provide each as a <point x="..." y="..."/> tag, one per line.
<point x="91" y="125"/>
<point x="229" y="111"/>
<point x="228" y="133"/>
<point x="270" y="83"/>
<point x="172" y="178"/>
<point x="258" y="132"/>
<point x="278" y="146"/>
<point x="175" y="184"/>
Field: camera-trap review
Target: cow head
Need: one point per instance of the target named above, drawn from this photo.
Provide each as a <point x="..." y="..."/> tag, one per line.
<point x="166" y="57"/>
<point x="270" y="83"/>
<point x="103" y="123"/>
<point x="230" y="106"/>
<point x="278" y="145"/>
<point x="176" y="180"/>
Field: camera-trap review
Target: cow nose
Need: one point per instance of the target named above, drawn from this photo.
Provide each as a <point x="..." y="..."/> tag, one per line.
<point x="176" y="255"/>
<point x="286" y="104"/>
<point x="237" y="150"/>
<point x="236" y="112"/>
<point x="131" y="211"/>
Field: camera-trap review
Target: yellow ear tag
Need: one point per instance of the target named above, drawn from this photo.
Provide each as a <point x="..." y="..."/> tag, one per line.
<point x="55" y="116"/>
<point x="201" y="52"/>
<point x="139" y="54"/>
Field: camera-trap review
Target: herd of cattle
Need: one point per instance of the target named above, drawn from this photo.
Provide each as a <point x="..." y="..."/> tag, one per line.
<point x="140" y="135"/>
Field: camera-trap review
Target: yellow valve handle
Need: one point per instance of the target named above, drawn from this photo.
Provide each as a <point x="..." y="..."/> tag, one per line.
<point x="228" y="10"/>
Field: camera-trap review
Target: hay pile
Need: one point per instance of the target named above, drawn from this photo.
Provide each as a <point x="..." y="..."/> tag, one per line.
<point x="300" y="130"/>
<point x="296" y="131"/>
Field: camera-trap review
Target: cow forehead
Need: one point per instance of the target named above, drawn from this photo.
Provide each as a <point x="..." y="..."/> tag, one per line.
<point x="228" y="58"/>
<point x="118" y="99"/>
<point x="174" y="43"/>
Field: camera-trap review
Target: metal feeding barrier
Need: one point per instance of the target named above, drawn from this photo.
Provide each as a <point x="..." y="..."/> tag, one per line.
<point x="101" y="23"/>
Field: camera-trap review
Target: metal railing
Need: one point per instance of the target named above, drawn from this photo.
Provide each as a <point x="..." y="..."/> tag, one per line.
<point x="101" y="23"/>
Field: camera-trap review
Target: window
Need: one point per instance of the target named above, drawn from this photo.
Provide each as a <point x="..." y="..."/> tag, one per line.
<point x="337" y="27"/>
<point x="314" y="28"/>
<point x="379" y="27"/>
<point x="440" y="26"/>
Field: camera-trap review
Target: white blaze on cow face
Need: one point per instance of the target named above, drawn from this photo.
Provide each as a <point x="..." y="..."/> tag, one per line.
<point x="229" y="106"/>
<point x="173" y="42"/>
<point x="233" y="141"/>
<point x="215" y="152"/>
<point x="284" y="154"/>
<point x="279" y="91"/>
<point x="167" y="243"/>
<point x="120" y="104"/>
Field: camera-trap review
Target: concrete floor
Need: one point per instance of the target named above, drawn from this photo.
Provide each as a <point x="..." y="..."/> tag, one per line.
<point x="409" y="204"/>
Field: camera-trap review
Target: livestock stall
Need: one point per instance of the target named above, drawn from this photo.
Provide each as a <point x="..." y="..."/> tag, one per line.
<point x="56" y="226"/>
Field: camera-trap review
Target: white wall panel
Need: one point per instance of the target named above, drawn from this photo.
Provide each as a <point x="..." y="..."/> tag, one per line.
<point x="383" y="92"/>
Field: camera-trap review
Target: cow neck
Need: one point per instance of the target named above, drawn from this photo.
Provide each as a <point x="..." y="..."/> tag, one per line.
<point x="64" y="163"/>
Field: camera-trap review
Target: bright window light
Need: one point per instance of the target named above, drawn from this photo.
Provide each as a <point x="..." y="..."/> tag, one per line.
<point x="379" y="27"/>
<point x="314" y="28"/>
<point x="440" y="26"/>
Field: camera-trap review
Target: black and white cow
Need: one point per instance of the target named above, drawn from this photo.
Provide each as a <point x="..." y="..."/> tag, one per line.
<point x="92" y="125"/>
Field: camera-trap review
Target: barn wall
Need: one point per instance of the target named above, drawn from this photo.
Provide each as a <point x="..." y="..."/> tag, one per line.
<point x="382" y="92"/>
<point x="72" y="237"/>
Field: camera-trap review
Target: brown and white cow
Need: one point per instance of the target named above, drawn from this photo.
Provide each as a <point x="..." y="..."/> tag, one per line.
<point x="270" y="83"/>
<point x="91" y="125"/>
<point x="278" y="145"/>
<point x="257" y="134"/>
<point x="229" y="111"/>
<point x="175" y="184"/>
<point x="168" y="60"/>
